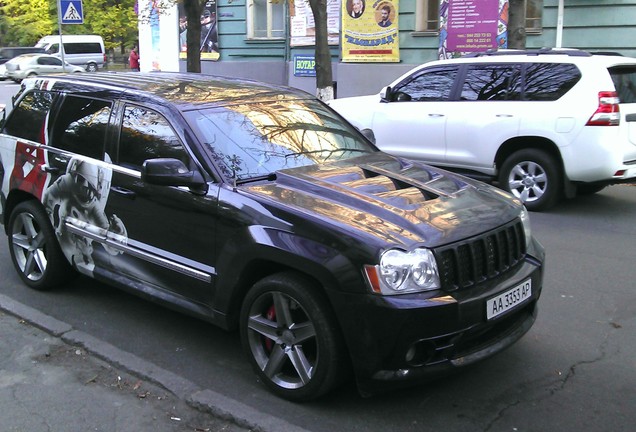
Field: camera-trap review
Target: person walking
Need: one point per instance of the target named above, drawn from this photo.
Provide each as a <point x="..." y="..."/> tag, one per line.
<point x="133" y="59"/>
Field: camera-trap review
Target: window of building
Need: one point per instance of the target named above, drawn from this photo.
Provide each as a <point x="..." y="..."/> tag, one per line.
<point x="427" y="15"/>
<point x="534" y="16"/>
<point x="265" y="19"/>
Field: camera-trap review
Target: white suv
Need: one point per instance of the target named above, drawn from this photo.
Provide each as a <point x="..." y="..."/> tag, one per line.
<point x="544" y="124"/>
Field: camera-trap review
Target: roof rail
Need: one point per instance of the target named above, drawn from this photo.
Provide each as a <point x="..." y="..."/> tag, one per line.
<point x="531" y="52"/>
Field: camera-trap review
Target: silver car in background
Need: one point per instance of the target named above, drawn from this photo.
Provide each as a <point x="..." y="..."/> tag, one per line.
<point x="27" y="65"/>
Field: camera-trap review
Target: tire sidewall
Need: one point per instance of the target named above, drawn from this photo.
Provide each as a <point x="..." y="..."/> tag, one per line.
<point x="302" y="290"/>
<point x="57" y="269"/>
<point x="547" y="163"/>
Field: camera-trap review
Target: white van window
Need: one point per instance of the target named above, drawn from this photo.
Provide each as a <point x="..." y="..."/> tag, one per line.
<point x="82" y="48"/>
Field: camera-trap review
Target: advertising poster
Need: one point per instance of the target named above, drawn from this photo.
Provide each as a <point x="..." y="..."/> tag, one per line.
<point x="209" y="45"/>
<point x="303" y="29"/>
<point x="155" y="35"/>
<point x="472" y="26"/>
<point x="370" y="31"/>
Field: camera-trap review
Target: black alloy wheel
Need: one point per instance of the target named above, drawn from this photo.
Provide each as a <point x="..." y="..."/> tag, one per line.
<point x="290" y="335"/>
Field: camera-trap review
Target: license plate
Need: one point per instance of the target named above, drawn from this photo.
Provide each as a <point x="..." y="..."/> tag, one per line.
<point x="508" y="300"/>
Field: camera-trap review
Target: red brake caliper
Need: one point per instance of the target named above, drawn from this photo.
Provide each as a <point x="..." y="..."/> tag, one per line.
<point x="270" y="315"/>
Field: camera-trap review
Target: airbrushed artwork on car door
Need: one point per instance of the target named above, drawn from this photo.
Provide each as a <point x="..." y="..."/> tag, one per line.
<point x="75" y="203"/>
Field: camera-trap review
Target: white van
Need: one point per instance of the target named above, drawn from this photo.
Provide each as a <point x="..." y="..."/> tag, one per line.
<point x="81" y="50"/>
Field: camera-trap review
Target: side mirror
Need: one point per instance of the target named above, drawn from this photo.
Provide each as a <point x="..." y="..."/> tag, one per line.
<point x="171" y="172"/>
<point x="368" y="134"/>
<point x="385" y="94"/>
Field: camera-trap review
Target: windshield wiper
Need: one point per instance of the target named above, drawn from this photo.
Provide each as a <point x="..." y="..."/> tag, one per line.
<point x="264" y="177"/>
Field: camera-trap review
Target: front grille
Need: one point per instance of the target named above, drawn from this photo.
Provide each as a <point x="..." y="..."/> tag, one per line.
<point x="464" y="264"/>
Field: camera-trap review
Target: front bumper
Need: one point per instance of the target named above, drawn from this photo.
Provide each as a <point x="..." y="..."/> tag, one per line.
<point x="401" y="340"/>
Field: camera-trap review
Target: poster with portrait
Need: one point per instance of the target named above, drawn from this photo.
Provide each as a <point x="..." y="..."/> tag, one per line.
<point x="209" y="45"/>
<point x="370" y="31"/>
<point x="303" y="27"/>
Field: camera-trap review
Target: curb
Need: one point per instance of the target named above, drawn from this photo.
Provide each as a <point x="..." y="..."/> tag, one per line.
<point x="204" y="400"/>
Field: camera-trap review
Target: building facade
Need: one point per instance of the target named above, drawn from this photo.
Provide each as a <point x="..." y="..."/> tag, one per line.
<point x="272" y="40"/>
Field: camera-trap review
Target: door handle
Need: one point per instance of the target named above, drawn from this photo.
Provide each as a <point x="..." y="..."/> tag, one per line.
<point x="123" y="192"/>
<point x="630" y="117"/>
<point x="49" y="169"/>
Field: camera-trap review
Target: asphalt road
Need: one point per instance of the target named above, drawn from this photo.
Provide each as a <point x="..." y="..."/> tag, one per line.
<point x="574" y="371"/>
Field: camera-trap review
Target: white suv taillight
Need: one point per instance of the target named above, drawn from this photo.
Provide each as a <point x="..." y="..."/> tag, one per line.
<point x="608" y="111"/>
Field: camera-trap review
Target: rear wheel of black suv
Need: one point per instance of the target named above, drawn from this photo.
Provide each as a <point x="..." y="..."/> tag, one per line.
<point x="534" y="177"/>
<point x="291" y="337"/>
<point x="34" y="249"/>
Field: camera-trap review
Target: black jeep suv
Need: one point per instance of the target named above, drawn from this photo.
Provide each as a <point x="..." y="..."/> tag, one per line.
<point x="258" y="207"/>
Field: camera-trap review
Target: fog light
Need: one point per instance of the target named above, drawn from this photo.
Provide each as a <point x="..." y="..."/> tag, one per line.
<point x="419" y="353"/>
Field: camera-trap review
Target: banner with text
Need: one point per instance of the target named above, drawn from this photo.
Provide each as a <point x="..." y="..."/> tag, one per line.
<point x="472" y="26"/>
<point x="370" y="31"/>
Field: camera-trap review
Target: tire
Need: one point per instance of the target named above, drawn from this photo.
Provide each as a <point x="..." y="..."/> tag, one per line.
<point x="534" y="177"/>
<point x="291" y="338"/>
<point x="34" y="249"/>
<point x="91" y="67"/>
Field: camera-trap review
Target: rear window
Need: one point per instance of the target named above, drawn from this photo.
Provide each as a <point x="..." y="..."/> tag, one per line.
<point x="28" y="119"/>
<point x="624" y="78"/>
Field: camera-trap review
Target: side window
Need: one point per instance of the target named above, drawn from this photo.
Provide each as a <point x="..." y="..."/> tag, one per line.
<point x="146" y="134"/>
<point x="429" y="86"/>
<point x="80" y="126"/>
<point x="492" y="82"/>
<point x="53" y="49"/>
<point x="28" y="119"/>
<point x="549" y="81"/>
<point x="624" y="78"/>
<point x="82" y="48"/>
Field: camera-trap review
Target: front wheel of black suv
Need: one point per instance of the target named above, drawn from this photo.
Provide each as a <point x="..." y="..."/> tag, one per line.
<point x="291" y="337"/>
<point x="534" y="177"/>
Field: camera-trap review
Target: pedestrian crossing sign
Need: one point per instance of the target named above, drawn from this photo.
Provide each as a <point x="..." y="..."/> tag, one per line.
<point x="71" y="11"/>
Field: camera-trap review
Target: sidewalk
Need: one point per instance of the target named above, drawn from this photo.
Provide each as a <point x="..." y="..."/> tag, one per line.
<point x="57" y="379"/>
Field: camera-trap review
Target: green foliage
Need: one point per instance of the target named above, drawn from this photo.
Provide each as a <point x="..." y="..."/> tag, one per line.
<point x="27" y="20"/>
<point x="24" y="22"/>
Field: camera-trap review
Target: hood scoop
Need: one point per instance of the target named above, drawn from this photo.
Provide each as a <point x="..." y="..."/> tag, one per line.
<point x="397" y="188"/>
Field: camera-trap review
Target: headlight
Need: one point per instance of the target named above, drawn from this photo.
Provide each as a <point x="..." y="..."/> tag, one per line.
<point x="525" y="220"/>
<point x="402" y="272"/>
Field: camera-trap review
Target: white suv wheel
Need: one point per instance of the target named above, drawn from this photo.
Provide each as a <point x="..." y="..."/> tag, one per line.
<point x="532" y="176"/>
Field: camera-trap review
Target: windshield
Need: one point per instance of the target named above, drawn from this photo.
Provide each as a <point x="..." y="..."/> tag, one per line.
<point x="254" y="140"/>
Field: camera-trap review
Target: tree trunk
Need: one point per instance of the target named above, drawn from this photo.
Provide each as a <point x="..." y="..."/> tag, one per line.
<point x="517" y="24"/>
<point x="324" y="77"/>
<point x="193" y="9"/>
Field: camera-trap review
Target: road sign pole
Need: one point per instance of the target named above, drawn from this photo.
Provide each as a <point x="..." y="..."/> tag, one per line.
<point x="59" y="29"/>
